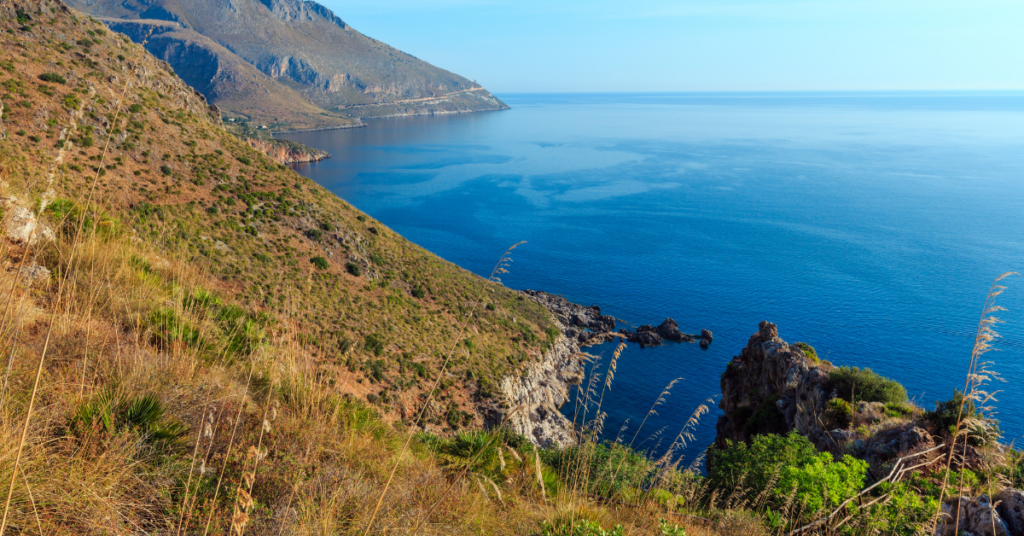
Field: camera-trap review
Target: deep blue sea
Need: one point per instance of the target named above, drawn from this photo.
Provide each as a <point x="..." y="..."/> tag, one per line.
<point x="869" y="225"/>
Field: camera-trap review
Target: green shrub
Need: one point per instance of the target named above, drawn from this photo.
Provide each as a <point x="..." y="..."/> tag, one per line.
<point x="168" y="328"/>
<point x="135" y="108"/>
<point x="327" y="226"/>
<point x="87" y="141"/>
<point x="791" y="466"/>
<point x="112" y="413"/>
<point x="808" y="350"/>
<point x="315" y="234"/>
<point x="245" y="160"/>
<point x="320" y="263"/>
<point x="864" y="385"/>
<point x="981" y="431"/>
<point x="419" y="292"/>
<point x="71" y="102"/>
<point x="166" y="170"/>
<point x="53" y="78"/>
<point x="613" y="468"/>
<point x="579" y="527"/>
<point x="374" y="344"/>
<point x="353" y="269"/>
<point x="21" y="132"/>
<point x="839" y="413"/>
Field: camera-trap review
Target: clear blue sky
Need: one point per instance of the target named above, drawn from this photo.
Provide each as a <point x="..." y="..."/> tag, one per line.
<point x="706" y="45"/>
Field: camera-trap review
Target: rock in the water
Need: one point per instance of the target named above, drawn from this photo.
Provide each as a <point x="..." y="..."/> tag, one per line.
<point x="704" y="344"/>
<point x="669" y="330"/>
<point x="705" y="334"/>
<point x="1011" y="510"/>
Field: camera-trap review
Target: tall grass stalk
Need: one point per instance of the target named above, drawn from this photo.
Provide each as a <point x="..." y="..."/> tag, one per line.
<point x="978" y="373"/>
<point x="499" y="269"/>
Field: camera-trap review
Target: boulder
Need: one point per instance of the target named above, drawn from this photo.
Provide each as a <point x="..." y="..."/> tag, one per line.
<point x="950" y="523"/>
<point x="23" y="226"/>
<point x="669" y="330"/>
<point x="1011" y="510"/>
<point x="983" y="519"/>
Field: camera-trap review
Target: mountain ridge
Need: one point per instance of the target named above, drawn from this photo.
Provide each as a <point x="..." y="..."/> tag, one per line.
<point x="288" y="64"/>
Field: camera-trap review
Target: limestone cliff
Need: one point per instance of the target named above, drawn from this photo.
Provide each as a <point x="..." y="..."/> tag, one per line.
<point x="287" y="152"/>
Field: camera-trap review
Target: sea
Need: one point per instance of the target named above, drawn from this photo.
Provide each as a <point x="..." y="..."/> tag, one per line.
<point x="870" y="225"/>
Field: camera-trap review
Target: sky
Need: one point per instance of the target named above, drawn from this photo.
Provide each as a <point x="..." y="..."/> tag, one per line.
<point x="527" y="46"/>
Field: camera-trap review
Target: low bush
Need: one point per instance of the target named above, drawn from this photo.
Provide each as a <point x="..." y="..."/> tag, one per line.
<point x="785" y="468"/>
<point x="353" y="269"/>
<point x="839" y="413"/>
<point x="53" y="78"/>
<point x="944" y="418"/>
<point x="864" y="385"/>
<point x="374" y="344"/>
<point x="320" y="263"/>
<point x="111" y="413"/>
<point x="808" y="350"/>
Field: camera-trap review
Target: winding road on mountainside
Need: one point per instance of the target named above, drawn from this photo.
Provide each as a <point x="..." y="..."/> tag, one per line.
<point x="407" y="101"/>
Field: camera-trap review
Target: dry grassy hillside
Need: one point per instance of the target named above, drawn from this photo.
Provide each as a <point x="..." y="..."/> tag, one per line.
<point x="145" y="153"/>
<point x="197" y="340"/>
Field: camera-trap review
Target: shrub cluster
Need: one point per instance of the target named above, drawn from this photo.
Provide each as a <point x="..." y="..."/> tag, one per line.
<point x="854" y="384"/>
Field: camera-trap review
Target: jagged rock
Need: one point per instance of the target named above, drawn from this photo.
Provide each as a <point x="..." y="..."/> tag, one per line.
<point x="705" y="339"/>
<point x="983" y="520"/>
<point x="287" y="152"/>
<point x="35" y="272"/>
<point x="535" y="397"/>
<point x="1011" y="510"/>
<point x="669" y="330"/>
<point x="950" y="523"/>
<point x="769" y="388"/>
<point x="23" y="226"/>
<point x="586" y="325"/>
<point x="898" y="441"/>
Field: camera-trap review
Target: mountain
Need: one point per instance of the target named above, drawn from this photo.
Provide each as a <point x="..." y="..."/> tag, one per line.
<point x="287" y="64"/>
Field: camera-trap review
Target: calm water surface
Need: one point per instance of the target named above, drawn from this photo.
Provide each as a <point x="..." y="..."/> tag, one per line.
<point x="869" y="225"/>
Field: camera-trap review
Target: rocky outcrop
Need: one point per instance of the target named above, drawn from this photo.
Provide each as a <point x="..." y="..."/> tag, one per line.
<point x="585" y="325"/>
<point x="963" y="516"/>
<point x="287" y="152"/>
<point x="535" y="397"/>
<point x="1011" y="510"/>
<point x="22" y="225"/>
<point x="771" y="387"/>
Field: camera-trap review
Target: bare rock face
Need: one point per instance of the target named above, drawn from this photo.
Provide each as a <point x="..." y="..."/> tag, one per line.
<point x="771" y="388"/>
<point x="1011" y="510"/>
<point x="983" y="519"/>
<point x="898" y="441"/>
<point x="286" y="152"/>
<point x="535" y="397"/>
<point x="951" y="522"/>
<point x="978" y="517"/>
<point x="23" y="225"/>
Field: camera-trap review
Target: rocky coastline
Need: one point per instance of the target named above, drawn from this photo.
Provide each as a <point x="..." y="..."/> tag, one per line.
<point x="535" y="397"/>
<point x="287" y="152"/>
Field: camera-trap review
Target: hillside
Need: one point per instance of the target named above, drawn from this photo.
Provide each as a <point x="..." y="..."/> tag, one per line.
<point x="200" y="341"/>
<point x="252" y="58"/>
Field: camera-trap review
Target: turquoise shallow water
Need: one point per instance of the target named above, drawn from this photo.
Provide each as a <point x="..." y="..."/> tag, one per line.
<point x="869" y="225"/>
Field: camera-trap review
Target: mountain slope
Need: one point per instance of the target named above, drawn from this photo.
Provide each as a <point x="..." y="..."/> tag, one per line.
<point x="295" y="43"/>
<point x="373" y="305"/>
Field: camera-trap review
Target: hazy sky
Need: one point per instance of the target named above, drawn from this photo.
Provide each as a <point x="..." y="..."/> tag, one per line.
<point x="697" y="45"/>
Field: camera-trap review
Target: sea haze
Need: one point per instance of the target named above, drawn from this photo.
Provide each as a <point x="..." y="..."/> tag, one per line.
<point x="869" y="225"/>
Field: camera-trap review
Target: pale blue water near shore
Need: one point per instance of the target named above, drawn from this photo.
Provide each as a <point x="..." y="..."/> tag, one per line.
<point x="869" y="225"/>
